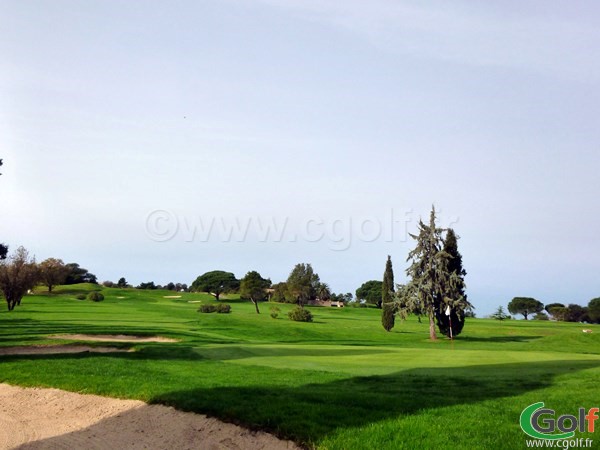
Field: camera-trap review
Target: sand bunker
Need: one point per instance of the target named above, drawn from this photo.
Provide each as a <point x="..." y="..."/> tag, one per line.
<point x="35" y="418"/>
<point x="55" y="349"/>
<point x="111" y="338"/>
<point x="194" y="301"/>
<point x="171" y="296"/>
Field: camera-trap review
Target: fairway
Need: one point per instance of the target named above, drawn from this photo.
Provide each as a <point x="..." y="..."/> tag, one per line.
<point x="337" y="383"/>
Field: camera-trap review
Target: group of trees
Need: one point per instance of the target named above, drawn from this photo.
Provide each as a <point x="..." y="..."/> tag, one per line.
<point x="19" y="273"/>
<point x="150" y="285"/>
<point x="302" y="285"/>
<point x="527" y="306"/>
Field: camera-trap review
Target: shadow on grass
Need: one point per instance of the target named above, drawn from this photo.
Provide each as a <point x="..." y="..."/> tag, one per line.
<point x="498" y="339"/>
<point x="310" y="412"/>
<point x="280" y="401"/>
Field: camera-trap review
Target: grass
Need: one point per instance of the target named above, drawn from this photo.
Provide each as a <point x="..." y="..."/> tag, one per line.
<point x="340" y="382"/>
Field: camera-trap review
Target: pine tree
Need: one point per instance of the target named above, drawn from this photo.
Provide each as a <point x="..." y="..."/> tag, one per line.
<point x="456" y="298"/>
<point x="428" y="275"/>
<point x="433" y="287"/>
<point x="387" y="290"/>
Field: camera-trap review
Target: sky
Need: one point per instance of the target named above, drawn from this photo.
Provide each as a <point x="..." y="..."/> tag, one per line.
<point x="160" y="140"/>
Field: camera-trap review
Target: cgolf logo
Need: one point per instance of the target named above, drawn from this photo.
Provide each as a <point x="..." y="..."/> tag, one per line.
<point x="540" y="423"/>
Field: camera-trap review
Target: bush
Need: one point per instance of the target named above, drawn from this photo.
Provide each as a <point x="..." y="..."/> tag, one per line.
<point x="221" y="308"/>
<point x="358" y="304"/>
<point x="207" y="309"/>
<point x="81" y="297"/>
<point x="274" y="312"/>
<point x="108" y="284"/>
<point x="95" y="296"/>
<point x="300" y="315"/>
<point x="387" y="316"/>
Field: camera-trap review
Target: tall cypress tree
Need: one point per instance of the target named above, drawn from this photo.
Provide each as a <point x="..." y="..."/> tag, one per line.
<point x="387" y="290"/>
<point x="455" y="296"/>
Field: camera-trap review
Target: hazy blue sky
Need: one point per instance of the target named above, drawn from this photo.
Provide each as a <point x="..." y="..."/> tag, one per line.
<point x="326" y="114"/>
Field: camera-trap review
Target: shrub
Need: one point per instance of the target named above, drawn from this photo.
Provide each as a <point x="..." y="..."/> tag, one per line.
<point x="95" y="296"/>
<point x="300" y="315"/>
<point x="358" y="304"/>
<point x="108" y="284"/>
<point x="207" y="309"/>
<point x="274" y="312"/>
<point x="387" y="316"/>
<point x="80" y="297"/>
<point x="223" y="308"/>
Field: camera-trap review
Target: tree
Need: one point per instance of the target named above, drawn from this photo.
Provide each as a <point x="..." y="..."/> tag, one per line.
<point x="594" y="310"/>
<point x="549" y="306"/>
<point x="324" y="291"/>
<point x="216" y="283"/>
<point x="500" y="314"/>
<point x="525" y="306"/>
<point x="387" y="289"/>
<point x="77" y="274"/>
<point x="388" y="315"/>
<point x="53" y="272"/>
<point x="253" y="287"/>
<point x="280" y="293"/>
<point x="18" y="274"/>
<point x="577" y="313"/>
<point x="452" y="324"/>
<point x="432" y="287"/>
<point x="302" y="284"/>
<point x="147" y="285"/>
<point x="559" y="313"/>
<point x="122" y="283"/>
<point x="370" y="292"/>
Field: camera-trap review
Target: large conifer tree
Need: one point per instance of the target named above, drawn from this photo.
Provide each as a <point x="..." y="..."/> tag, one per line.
<point x="433" y="286"/>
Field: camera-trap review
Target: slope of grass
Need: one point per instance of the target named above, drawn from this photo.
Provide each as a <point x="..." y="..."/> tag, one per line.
<point x="340" y="382"/>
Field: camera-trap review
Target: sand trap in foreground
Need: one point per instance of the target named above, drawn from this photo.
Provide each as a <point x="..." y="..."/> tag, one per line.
<point x="54" y="349"/>
<point x="34" y="418"/>
<point x="111" y="338"/>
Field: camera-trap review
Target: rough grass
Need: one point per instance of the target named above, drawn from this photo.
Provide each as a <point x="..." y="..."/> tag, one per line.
<point x="337" y="383"/>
